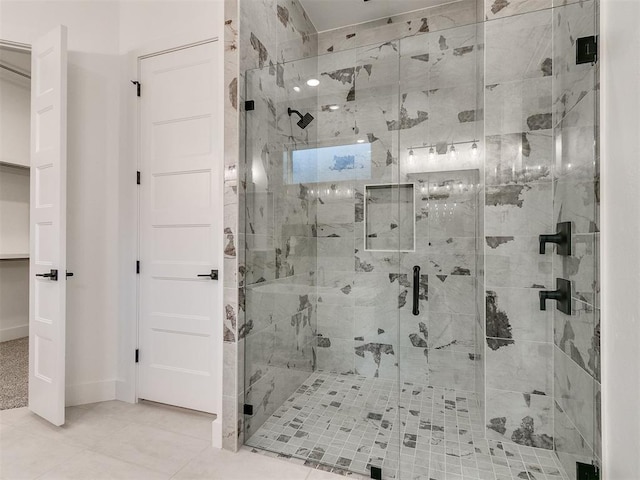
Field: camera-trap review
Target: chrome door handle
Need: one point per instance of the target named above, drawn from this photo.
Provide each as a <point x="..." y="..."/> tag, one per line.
<point x="213" y="275"/>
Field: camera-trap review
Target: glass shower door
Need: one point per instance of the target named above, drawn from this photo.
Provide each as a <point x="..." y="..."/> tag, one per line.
<point x="441" y="332"/>
<point x="322" y="263"/>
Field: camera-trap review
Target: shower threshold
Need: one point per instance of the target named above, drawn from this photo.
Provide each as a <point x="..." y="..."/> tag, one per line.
<point x="348" y="423"/>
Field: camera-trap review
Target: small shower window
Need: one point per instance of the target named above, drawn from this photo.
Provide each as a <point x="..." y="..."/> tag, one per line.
<point x="329" y="164"/>
<point x="389" y="217"/>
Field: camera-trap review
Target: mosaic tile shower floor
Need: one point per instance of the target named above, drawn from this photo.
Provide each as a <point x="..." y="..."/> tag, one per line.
<point x="345" y="424"/>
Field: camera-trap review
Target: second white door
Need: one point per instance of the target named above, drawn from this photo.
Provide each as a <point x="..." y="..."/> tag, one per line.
<point x="180" y="228"/>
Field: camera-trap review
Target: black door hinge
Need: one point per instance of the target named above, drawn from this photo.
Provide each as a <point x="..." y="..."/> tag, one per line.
<point x="586" y="471"/>
<point x="247" y="409"/>
<point x="137" y="178"/>
<point x="138" y="86"/>
<point x="137" y="266"/>
<point x="249" y="105"/>
<point x="586" y="50"/>
<point x="137" y="355"/>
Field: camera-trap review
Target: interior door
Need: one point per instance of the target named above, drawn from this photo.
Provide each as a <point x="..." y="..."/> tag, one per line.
<point x="180" y="229"/>
<point x="48" y="260"/>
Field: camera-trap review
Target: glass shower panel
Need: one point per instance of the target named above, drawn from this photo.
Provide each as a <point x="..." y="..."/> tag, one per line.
<point x="280" y="260"/>
<point x="321" y="364"/>
<point x="441" y="411"/>
<point x="577" y="430"/>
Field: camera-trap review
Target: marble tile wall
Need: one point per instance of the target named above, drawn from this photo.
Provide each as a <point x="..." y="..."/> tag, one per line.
<point x="267" y="227"/>
<point x="443" y="17"/>
<point x="518" y="109"/>
<point x="576" y="199"/>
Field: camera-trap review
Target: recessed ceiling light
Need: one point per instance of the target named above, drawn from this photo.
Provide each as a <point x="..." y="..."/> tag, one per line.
<point x="296" y="89"/>
<point x="333" y="107"/>
<point x="360" y="140"/>
<point x="313" y="82"/>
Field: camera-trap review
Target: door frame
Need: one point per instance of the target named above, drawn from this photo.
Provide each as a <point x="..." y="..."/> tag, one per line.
<point x="127" y="385"/>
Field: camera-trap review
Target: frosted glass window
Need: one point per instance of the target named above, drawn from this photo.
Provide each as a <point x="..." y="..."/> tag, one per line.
<point x="331" y="164"/>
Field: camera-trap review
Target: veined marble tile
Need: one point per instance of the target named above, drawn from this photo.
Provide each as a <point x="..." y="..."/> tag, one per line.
<point x="578" y="202"/>
<point x="581" y="268"/>
<point x="376" y="360"/>
<point x="521" y="210"/>
<point x="519" y="106"/>
<point x="527" y="52"/>
<point x="513" y="261"/>
<point x="296" y="36"/>
<point x="571" y="82"/>
<point x="257" y="33"/>
<point x="578" y="336"/>
<point x="574" y="392"/>
<point x="520" y="367"/>
<point x="502" y="8"/>
<point x="522" y="418"/>
<point x="269" y="393"/>
<point x="452" y="294"/>
<point x="335" y="321"/>
<point x="440" y="60"/>
<point x="336" y="356"/>
<point x="575" y="144"/>
<point x="448" y="368"/>
<point x="513" y="314"/>
<point x="570" y="446"/>
<point x="519" y="158"/>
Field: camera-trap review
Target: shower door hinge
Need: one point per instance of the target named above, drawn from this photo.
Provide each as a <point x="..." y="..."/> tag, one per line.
<point x="586" y="471"/>
<point x="247" y="409"/>
<point x="137" y="355"/>
<point x="249" y="105"/>
<point x="137" y="178"/>
<point x="137" y="266"/>
<point x="587" y="50"/>
<point x="138" y="86"/>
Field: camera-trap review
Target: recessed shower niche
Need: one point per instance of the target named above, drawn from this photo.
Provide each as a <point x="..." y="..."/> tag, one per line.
<point x="389" y="217"/>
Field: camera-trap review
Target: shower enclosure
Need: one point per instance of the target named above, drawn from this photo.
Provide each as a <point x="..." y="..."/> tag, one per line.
<point x="392" y="324"/>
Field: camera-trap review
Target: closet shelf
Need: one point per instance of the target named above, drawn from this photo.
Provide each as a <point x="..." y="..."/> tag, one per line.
<point x="14" y="256"/>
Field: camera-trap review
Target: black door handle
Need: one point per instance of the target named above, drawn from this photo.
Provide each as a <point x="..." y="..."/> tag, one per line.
<point x="52" y="275"/>
<point x="69" y="274"/>
<point x="416" y="290"/>
<point x="213" y="275"/>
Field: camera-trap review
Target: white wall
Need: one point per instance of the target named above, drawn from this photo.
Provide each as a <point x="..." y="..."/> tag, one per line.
<point x="15" y="98"/>
<point x="620" y="251"/>
<point x="92" y="234"/>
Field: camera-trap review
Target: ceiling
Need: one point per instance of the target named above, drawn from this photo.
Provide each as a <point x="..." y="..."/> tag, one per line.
<point x="330" y="14"/>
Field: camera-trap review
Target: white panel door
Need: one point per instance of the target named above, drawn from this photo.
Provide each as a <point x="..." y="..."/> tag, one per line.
<point x="181" y="228"/>
<point x="48" y="239"/>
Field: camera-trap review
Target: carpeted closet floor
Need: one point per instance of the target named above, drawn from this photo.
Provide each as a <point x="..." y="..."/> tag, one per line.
<point x="14" y="373"/>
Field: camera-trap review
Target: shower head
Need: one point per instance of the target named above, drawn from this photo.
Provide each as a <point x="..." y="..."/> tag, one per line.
<point x="305" y="119"/>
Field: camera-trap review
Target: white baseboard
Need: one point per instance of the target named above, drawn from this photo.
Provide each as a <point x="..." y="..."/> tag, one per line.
<point x="12" y="333"/>
<point x="83" y="393"/>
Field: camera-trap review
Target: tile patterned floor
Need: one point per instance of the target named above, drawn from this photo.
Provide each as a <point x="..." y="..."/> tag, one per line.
<point x="122" y="441"/>
<point x="345" y="424"/>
